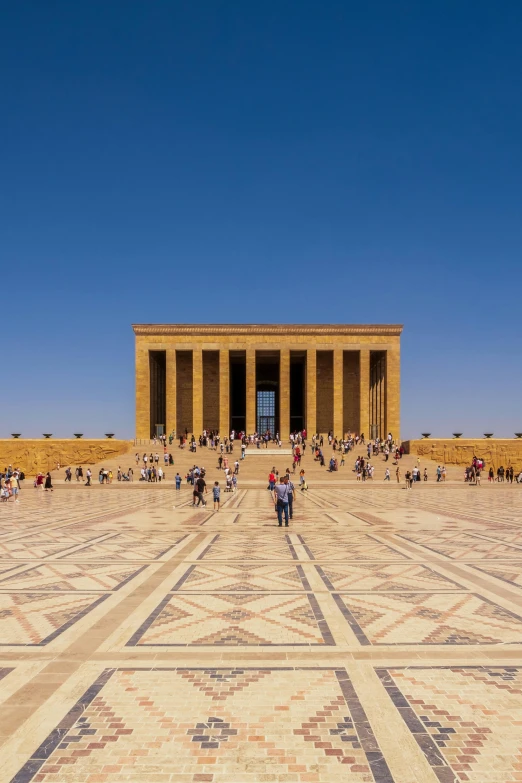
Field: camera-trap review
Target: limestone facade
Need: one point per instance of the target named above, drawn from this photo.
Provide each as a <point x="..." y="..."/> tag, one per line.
<point x="339" y="378"/>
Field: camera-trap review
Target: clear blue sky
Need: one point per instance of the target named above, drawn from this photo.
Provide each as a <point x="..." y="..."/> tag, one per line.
<point x="223" y="161"/>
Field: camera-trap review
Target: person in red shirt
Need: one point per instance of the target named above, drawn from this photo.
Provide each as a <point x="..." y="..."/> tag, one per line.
<point x="271" y="480"/>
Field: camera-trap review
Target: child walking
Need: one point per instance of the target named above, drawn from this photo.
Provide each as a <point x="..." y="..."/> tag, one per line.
<point x="216" y="493"/>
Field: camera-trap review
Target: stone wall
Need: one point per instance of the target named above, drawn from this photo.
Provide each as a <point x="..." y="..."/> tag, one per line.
<point x="184" y="383"/>
<point x="325" y="391"/>
<point x="44" y="454"/>
<point x="460" y="451"/>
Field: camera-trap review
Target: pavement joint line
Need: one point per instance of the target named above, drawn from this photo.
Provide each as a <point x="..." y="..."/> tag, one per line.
<point x="83" y="644"/>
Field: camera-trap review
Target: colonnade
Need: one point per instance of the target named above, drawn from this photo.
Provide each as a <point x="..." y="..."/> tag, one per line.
<point x="344" y="388"/>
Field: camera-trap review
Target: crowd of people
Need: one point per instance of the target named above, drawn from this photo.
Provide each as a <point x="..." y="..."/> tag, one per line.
<point x="152" y="466"/>
<point x="473" y="472"/>
<point x="149" y="460"/>
<point x="196" y="477"/>
<point x="11" y="481"/>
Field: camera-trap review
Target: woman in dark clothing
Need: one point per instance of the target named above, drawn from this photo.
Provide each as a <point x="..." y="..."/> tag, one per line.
<point x="48" y="482"/>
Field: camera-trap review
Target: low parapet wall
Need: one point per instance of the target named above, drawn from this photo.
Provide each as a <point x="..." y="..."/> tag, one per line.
<point x="460" y="451"/>
<point x="32" y="455"/>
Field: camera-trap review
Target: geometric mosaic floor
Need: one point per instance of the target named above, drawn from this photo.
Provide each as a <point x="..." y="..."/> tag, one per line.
<point x="378" y="639"/>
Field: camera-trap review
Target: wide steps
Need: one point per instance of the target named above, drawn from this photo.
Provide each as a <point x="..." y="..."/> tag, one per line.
<point x="270" y="452"/>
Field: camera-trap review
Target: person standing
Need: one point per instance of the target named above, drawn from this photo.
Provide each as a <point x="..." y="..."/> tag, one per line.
<point x="15" y="486"/>
<point x="387" y="474"/>
<point x="177" y="479"/>
<point x="88" y="474"/>
<point x="216" y="492"/>
<point x="48" y="482"/>
<point x="281" y="501"/>
<point x="398" y="474"/>
<point x="291" y="496"/>
<point x="200" y="487"/>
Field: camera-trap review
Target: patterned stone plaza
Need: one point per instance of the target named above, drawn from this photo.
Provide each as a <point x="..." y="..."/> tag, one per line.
<point x="378" y="638"/>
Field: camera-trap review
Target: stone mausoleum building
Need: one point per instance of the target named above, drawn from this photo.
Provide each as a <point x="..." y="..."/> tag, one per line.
<point x="254" y="377"/>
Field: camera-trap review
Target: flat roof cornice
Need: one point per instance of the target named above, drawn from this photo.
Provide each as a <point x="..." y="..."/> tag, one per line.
<point x="278" y="329"/>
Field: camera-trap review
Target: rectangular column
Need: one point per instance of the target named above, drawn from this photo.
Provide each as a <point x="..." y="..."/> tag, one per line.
<point x="338" y="393"/>
<point x="170" y="423"/>
<point x="197" y="392"/>
<point x="311" y="392"/>
<point x="142" y="392"/>
<point x="224" y="393"/>
<point x="392" y="399"/>
<point x="250" y="391"/>
<point x="373" y="397"/>
<point x="351" y="391"/>
<point x="364" y="392"/>
<point x="284" y="395"/>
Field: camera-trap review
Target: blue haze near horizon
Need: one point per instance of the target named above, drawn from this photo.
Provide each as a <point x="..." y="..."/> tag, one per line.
<point x="333" y="162"/>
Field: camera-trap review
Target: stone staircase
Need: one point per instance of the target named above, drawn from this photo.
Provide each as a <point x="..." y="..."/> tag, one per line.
<point x="253" y="470"/>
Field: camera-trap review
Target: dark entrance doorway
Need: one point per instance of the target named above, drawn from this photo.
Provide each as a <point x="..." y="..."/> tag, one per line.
<point x="158" y="391"/>
<point x="266" y="406"/>
<point x="267" y="392"/>
<point x="297" y="390"/>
